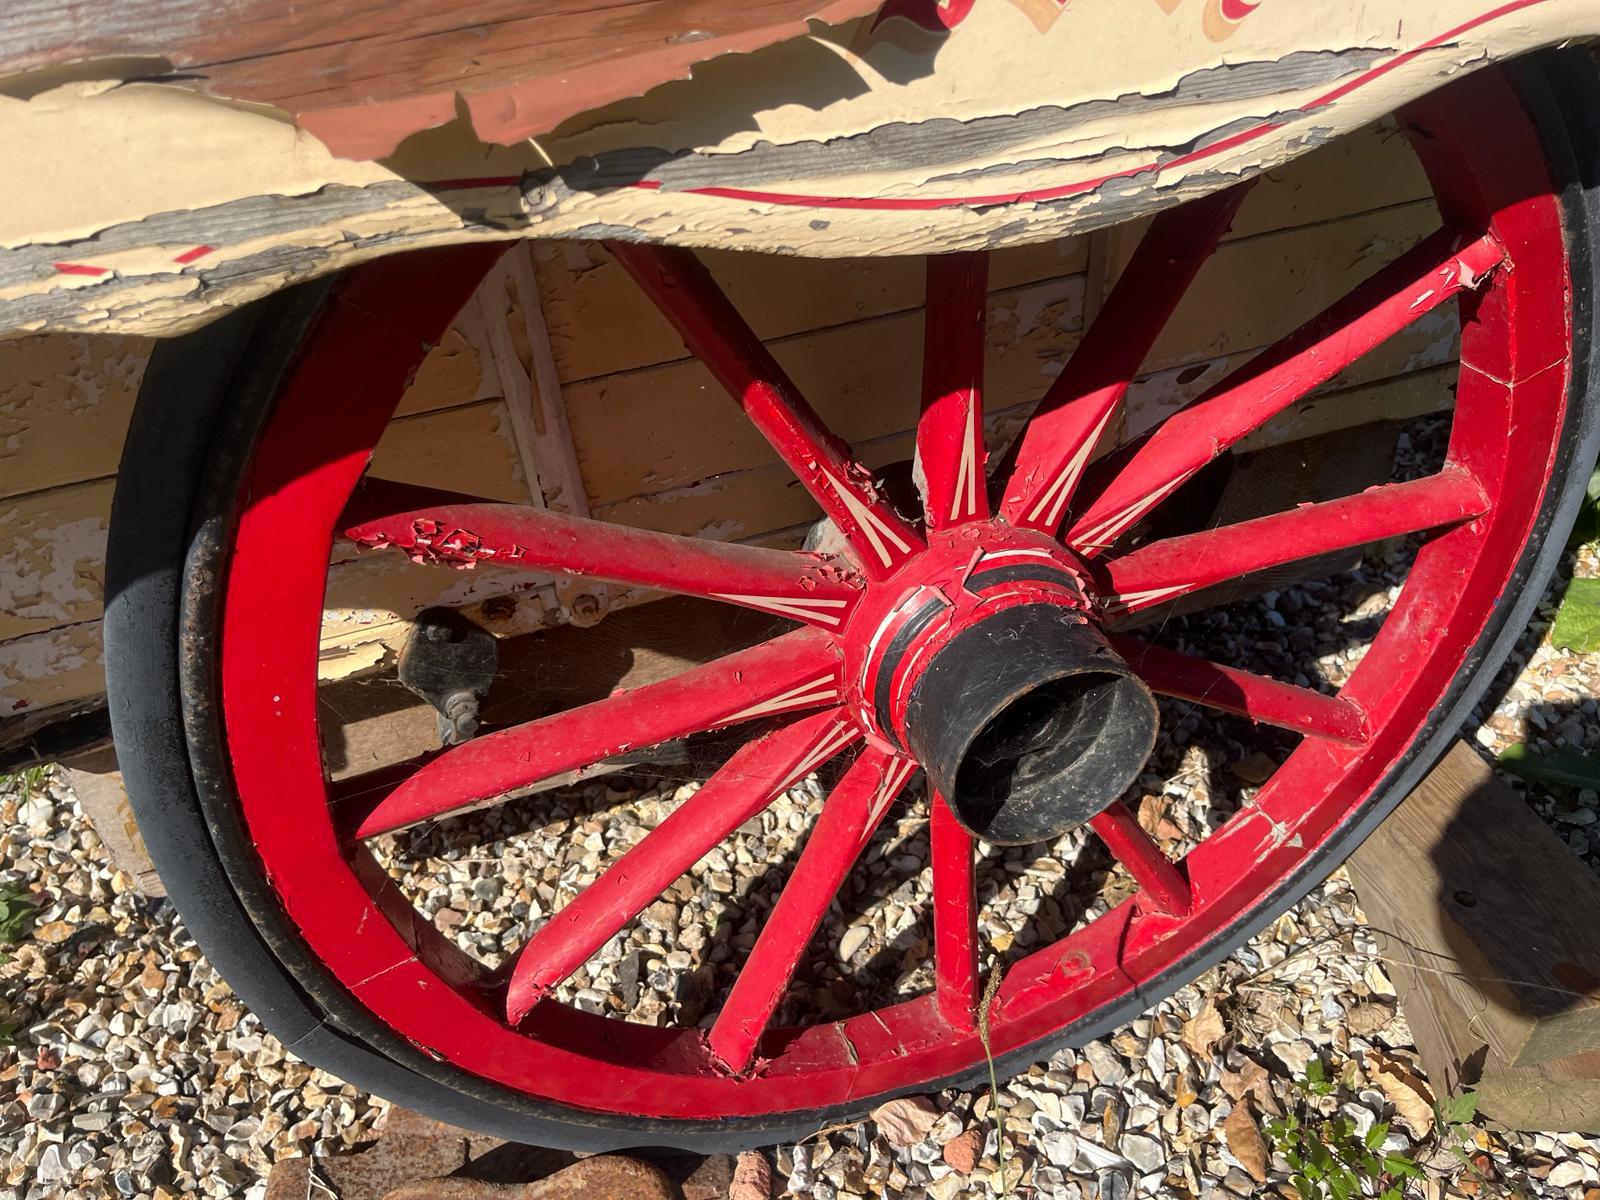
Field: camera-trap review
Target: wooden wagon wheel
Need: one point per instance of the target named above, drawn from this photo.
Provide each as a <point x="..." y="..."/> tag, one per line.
<point x="978" y="644"/>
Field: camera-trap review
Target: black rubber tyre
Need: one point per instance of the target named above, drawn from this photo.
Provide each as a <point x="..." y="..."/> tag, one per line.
<point x="203" y="397"/>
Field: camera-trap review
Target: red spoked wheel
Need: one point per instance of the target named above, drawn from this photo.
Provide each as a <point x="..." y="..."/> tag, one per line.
<point x="992" y="643"/>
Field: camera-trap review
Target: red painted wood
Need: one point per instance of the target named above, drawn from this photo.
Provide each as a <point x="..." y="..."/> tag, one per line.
<point x="715" y="333"/>
<point x="1080" y="403"/>
<point x="817" y="589"/>
<point x="792" y="673"/>
<point x="1163" y="885"/>
<point x="955" y="917"/>
<point x="749" y="781"/>
<point x="1176" y="566"/>
<point x="850" y="814"/>
<point x="1439" y="268"/>
<point x="1228" y="689"/>
<point x="950" y="449"/>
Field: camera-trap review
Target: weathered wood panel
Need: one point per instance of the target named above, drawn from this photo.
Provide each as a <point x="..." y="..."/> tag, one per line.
<point x="65" y="400"/>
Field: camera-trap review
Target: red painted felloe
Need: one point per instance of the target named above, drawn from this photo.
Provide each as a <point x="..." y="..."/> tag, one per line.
<point x="1501" y="255"/>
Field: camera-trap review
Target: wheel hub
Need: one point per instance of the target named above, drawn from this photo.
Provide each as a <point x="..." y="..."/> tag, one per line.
<point x="982" y="660"/>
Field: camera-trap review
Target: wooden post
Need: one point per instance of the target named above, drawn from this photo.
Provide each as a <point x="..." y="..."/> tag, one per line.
<point x="1490" y="927"/>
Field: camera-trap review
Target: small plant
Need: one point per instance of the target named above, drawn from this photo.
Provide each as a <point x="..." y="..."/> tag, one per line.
<point x="1452" y="1118"/>
<point x="1577" y="624"/>
<point x="16" y="906"/>
<point x="1328" y="1159"/>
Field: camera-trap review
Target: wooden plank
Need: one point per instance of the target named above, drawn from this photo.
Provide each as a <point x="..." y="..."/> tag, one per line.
<point x="466" y="449"/>
<point x="512" y="312"/>
<point x="97" y="784"/>
<point x="65" y="401"/>
<point x="1466" y="880"/>
<point x="670" y="426"/>
<point x="1238" y="299"/>
<point x="1401" y="398"/>
<point x="52" y="558"/>
<point x="587" y="297"/>
<point x="1371" y="169"/>
<point x="57" y="667"/>
<point x="455" y="372"/>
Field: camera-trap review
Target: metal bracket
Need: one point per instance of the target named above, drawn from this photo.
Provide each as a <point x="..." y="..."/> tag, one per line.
<point x="450" y="662"/>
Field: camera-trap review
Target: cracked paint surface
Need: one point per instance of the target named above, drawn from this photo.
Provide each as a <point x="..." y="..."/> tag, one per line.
<point x="1001" y="130"/>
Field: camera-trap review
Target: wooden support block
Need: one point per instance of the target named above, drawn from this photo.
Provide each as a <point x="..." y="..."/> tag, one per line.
<point x="95" y="780"/>
<point x="1490" y="927"/>
<point x="369" y="722"/>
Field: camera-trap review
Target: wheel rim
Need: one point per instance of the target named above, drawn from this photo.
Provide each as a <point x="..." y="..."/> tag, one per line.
<point x="1503" y="258"/>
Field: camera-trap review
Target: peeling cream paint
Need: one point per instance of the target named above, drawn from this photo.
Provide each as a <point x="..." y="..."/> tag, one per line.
<point x="1112" y="111"/>
<point x="52" y="574"/>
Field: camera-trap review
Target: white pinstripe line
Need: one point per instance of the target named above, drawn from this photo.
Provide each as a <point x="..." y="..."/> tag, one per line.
<point x="1056" y="496"/>
<point x="871" y="524"/>
<point x="836" y="739"/>
<point x="1103" y="534"/>
<point x="1147" y="596"/>
<point x="824" y="687"/>
<point x="893" y="780"/>
<point x="800" y="607"/>
<point x="967" y="473"/>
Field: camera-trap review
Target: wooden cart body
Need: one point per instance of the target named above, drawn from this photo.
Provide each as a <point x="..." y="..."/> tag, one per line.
<point x="167" y="161"/>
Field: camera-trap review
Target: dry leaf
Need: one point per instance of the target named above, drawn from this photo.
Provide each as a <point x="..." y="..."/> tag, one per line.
<point x="1250" y="1080"/>
<point x="1204" y="1029"/>
<point x="1413" y="1102"/>
<point x="1244" y="1141"/>
<point x="906" y="1121"/>
<point x="1364" y="1020"/>
<point x="1152" y="811"/>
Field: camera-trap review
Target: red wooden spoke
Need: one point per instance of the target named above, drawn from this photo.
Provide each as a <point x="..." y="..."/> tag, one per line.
<point x="792" y="673"/>
<point x="1177" y="566"/>
<point x="1416" y="283"/>
<point x="950" y="450"/>
<point x="1078" y="406"/>
<point x="749" y="781"/>
<point x="850" y="815"/>
<point x="1228" y="689"/>
<point x="805" y="587"/>
<point x="955" y="917"/>
<point x="715" y="333"/>
<point x="1165" y="889"/>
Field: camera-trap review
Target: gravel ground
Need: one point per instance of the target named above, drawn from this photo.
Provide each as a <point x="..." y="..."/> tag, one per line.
<point x="133" y="1071"/>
